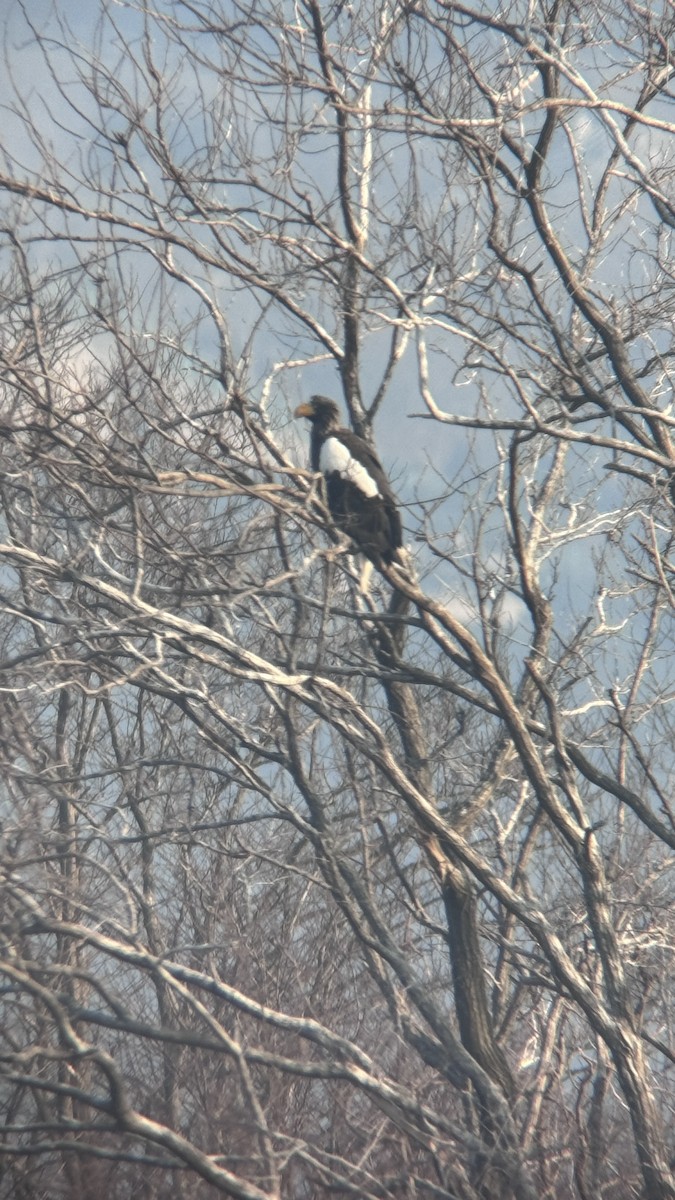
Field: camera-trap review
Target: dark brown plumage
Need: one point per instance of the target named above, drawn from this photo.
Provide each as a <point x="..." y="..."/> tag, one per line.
<point x="360" y="499"/>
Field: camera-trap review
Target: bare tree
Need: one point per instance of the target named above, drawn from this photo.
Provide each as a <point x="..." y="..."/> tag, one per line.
<point x="306" y="891"/>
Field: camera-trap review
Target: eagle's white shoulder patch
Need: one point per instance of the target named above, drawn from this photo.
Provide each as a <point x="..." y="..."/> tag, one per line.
<point x="336" y="457"/>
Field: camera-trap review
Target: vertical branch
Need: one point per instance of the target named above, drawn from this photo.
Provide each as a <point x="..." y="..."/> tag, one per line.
<point x="355" y="225"/>
<point x="469" y="976"/>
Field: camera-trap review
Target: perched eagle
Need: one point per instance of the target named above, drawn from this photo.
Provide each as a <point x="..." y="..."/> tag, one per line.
<point x="360" y="499"/>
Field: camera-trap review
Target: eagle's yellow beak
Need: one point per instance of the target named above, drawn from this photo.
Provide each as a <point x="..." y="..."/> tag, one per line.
<point x="304" y="410"/>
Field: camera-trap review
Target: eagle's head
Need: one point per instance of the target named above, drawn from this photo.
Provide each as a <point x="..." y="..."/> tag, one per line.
<point x="322" y="412"/>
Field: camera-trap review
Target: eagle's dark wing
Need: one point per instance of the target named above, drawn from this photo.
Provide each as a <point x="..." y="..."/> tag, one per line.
<point x="359" y="495"/>
<point x="362" y="451"/>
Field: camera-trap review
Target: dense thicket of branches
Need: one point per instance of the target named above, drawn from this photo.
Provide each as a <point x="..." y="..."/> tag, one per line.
<point x="309" y="893"/>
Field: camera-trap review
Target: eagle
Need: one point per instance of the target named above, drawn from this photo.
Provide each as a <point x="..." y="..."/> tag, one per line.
<point x="360" y="499"/>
